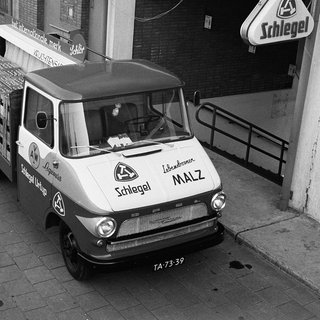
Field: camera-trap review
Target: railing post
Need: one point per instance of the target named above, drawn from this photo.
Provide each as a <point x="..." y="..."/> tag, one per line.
<point x="281" y="158"/>
<point x="248" y="145"/>
<point x="214" y="117"/>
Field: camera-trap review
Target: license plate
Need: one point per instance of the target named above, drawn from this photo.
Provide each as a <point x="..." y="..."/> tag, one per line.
<point x="168" y="264"/>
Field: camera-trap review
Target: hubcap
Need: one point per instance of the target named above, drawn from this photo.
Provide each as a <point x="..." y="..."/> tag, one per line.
<point x="70" y="249"/>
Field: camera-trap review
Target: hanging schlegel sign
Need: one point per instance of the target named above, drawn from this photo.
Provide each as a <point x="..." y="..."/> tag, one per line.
<point x="78" y="48"/>
<point x="277" y="21"/>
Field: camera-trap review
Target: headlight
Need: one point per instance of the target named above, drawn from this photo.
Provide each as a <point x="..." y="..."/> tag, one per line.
<point x="218" y="201"/>
<point x="106" y="227"/>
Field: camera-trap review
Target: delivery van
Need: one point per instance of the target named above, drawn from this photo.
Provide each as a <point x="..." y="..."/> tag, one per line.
<point x="105" y="151"/>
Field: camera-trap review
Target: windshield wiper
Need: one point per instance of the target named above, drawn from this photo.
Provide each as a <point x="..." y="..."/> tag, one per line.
<point x="96" y="148"/>
<point x="151" y="142"/>
<point x="183" y="137"/>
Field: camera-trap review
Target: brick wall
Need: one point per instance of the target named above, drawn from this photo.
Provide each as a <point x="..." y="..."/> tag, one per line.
<point x="215" y="61"/>
<point x="85" y="13"/>
<point x="32" y="12"/>
<point x="4" y="9"/>
<point x="4" y="6"/>
<point x="80" y="18"/>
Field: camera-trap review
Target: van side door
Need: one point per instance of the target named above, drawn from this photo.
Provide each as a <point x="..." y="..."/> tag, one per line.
<point x="35" y="154"/>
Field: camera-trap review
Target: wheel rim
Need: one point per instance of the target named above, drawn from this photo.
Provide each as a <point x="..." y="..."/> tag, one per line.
<point x="70" y="251"/>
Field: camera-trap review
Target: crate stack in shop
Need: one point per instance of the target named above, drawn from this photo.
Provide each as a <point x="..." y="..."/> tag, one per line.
<point x="11" y="84"/>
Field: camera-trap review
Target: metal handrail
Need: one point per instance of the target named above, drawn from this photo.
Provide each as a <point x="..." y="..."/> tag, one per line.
<point x="252" y="129"/>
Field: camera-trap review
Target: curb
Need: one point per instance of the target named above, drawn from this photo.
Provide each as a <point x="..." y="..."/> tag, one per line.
<point x="267" y="256"/>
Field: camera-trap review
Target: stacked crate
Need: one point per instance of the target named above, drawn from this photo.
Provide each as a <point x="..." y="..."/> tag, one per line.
<point x="11" y="84"/>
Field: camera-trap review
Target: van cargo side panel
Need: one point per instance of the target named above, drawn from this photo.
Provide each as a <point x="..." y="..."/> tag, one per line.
<point x="10" y="114"/>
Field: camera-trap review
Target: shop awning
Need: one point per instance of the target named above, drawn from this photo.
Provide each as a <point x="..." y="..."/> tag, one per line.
<point x="28" y="53"/>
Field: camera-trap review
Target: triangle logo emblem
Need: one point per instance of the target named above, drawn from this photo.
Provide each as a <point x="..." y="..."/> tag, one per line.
<point x="58" y="204"/>
<point x="287" y="9"/>
<point x="277" y="21"/>
<point x="124" y="173"/>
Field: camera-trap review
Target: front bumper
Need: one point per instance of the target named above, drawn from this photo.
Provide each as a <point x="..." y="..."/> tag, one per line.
<point x="173" y="251"/>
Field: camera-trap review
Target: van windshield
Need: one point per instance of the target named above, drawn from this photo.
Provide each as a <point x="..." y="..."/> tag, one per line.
<point x="123" y="122"/>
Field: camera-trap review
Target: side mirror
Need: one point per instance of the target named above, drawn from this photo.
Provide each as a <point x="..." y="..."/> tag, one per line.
<point x="42" y="120"/>
<point x="196" y="98"/>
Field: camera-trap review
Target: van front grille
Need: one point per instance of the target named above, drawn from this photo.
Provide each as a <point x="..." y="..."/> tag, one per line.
<point x="161" y="236"/>
<point x="162" y="219"/>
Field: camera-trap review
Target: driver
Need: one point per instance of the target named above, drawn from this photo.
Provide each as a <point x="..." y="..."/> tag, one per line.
<point x="115" y="125"/>
<point x="116" y="109"/>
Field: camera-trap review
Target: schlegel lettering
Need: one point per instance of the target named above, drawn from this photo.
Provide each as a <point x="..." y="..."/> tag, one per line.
<point x="167" y="168"/>
<point x="76" y="49"/>
<point x="32" y="179"/>
<point x="25" y="172"/>
<point x="187" y="177"/>
<point x="39" y="185"/>
<point x="124" y="191"/>
<point x="165" y="220"/>
<point x="276" y="29"/>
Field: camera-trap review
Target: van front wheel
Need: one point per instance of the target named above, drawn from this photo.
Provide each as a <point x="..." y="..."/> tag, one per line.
<point x="77" y="267"/>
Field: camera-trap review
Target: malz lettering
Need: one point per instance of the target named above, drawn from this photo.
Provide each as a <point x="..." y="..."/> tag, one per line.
<point x="187" y="177"/>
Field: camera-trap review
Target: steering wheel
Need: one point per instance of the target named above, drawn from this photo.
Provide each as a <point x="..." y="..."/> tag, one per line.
<point x="146" y="120"/>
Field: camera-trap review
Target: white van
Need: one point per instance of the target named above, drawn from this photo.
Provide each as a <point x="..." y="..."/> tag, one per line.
<point x="106" y="151"/>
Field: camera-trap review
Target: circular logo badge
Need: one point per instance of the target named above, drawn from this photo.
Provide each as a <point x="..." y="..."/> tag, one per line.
<point x="34" y="155"/>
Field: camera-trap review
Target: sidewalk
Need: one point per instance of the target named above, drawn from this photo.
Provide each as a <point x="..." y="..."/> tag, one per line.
<point x="287" y="239"/>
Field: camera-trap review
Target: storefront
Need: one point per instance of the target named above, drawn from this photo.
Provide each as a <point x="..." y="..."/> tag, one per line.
<point x="32" y="49"/>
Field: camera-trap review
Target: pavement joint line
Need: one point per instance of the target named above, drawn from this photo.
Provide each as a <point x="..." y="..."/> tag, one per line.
<point x="236" y="235"/>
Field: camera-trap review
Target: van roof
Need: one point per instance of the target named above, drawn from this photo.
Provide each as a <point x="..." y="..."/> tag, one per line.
<point x="91" y="80"/>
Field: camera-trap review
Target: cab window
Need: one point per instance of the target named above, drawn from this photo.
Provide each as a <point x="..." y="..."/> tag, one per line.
<point x="35" y="104"/>
<point x="117" y="123"/>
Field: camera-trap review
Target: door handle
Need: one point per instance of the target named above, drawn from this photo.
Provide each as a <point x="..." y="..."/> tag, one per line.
<point x="55" y="164"/>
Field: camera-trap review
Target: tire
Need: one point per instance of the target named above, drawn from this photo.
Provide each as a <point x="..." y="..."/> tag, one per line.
<point x="77" y="267"/>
